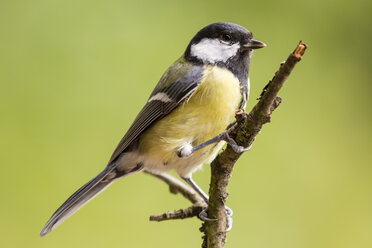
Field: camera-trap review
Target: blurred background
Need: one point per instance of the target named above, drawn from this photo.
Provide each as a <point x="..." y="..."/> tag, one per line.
<point x="74" y="74"/>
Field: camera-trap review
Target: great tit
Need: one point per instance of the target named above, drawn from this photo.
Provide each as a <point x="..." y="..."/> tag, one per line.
<point x="183" y="124"/>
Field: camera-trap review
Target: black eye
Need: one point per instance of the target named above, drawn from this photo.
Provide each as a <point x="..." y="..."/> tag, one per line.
<point x="226" y="37"/>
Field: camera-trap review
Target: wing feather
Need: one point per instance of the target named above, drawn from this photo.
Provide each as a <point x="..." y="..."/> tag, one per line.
<point x="177" y="92"/>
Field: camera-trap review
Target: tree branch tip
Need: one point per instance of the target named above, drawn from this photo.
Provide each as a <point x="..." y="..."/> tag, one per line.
<point x="300" y="50"/>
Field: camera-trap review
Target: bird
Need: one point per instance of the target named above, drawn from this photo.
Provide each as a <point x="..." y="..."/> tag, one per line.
<point x="186" y="119"/>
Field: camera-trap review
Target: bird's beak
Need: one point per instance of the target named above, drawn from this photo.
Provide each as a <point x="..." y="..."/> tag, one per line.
<point x="254" y="44"/>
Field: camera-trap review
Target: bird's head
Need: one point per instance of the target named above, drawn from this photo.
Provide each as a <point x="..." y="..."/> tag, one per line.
<point x="220" y="43"/>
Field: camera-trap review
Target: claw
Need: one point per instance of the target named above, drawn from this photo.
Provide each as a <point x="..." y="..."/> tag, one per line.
<point x="229" y="212"/>
<point x="204" y="216"/>
<point x="229" y="219"/>
<point x="237" y="148"/>
<point x="229" y="223"/>
<point x="240" y="149"/>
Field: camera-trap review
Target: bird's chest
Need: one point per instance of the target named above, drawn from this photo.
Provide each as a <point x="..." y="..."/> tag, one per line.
<point x="209" y="110"/>
<point x="212" y="107"/>
<point x="218" y="95"/>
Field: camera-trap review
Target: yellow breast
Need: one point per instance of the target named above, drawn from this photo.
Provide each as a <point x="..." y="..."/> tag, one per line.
<point x="207" y="113"/>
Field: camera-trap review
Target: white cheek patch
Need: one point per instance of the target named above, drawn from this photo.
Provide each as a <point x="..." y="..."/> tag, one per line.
<point x="212" y="50"/>
<point x="161" y="96"/>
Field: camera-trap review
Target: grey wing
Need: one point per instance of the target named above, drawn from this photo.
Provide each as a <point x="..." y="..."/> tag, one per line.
<point x="161" y="103"/>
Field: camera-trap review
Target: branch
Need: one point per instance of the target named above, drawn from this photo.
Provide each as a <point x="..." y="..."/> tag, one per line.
<point x="178" y="214"/>
<point x="248" y="126"/>
<point x="175" y="187"/>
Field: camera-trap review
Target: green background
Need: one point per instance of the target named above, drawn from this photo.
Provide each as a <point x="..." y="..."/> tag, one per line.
<point x="74" y="74"/>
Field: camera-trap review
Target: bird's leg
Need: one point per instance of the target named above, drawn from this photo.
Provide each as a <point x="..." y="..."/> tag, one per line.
<point x="187" y="150"/>
<point x="196" y="187"/>
<point x="203" y="214"/>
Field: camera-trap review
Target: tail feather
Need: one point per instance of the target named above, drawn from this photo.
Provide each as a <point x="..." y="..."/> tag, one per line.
<point x="77" y="200"/>
<point x="86" y="193"/>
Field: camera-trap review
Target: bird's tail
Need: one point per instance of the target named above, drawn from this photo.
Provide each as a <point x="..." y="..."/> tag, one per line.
<point x="83" y="196"/>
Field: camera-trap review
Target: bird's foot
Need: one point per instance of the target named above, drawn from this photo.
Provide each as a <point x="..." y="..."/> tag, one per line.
<point x="203" y="215"/>
<point x="237" y="148"/>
